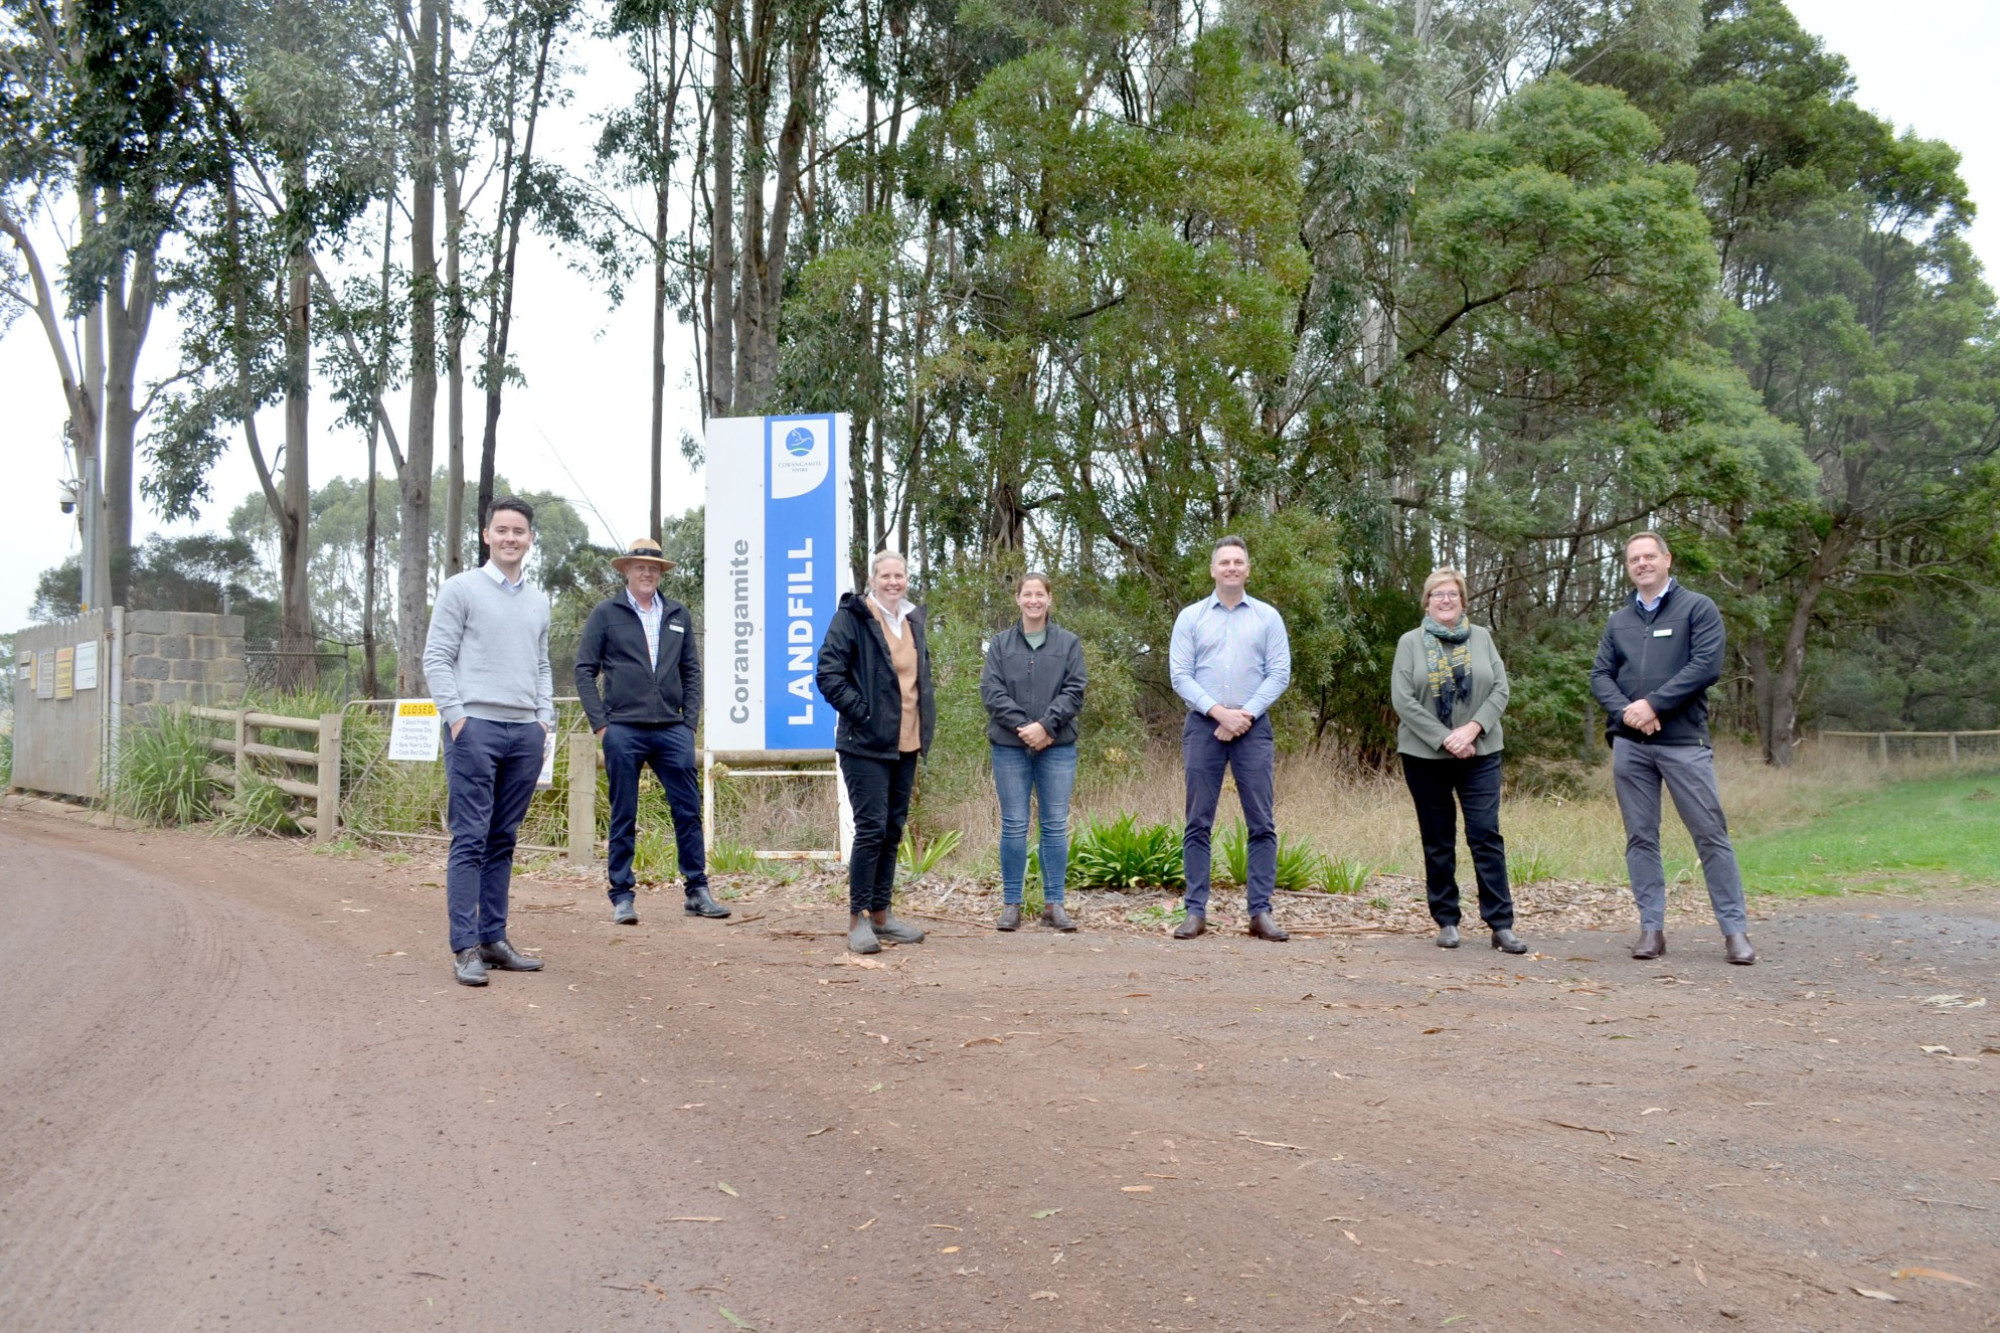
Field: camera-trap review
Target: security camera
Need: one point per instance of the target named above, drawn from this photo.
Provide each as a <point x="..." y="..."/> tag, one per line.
<point x="66" y="494"/>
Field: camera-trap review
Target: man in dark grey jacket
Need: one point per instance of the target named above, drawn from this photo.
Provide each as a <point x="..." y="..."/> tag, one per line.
<point x="1661" y="651"/>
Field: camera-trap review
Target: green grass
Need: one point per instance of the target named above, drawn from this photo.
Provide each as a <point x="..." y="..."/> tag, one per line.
<point x="1939" y="832"/>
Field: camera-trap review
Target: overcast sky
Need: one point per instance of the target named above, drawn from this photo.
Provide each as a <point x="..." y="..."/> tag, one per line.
<point x="579" y="425"/>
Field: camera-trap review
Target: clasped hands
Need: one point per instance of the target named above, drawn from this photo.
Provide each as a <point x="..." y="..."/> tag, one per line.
<point x="1230" y="722"/>
<point x="1459" y="742"/>
<point x="1641" y="718"/>
<point x="1035" y="736"/>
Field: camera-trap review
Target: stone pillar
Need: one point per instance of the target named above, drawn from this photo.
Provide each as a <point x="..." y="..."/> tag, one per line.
<point x="183" y="657"/>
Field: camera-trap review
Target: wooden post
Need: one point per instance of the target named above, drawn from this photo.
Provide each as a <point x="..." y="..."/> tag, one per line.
<point x="328" y="804"/>
<point x="1951" y="745"/>
<point x="1882" y="745"/>
<point x="242" y="759"/>
<point x="582" y="797"/>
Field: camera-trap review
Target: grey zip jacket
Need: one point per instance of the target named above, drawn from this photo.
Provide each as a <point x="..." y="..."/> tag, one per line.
<point x="1020" y="685"/>
<point x="1668" y="658"/>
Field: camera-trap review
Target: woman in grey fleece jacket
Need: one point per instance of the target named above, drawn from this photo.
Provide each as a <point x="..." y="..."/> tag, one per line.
<point x="1449" y="687"/>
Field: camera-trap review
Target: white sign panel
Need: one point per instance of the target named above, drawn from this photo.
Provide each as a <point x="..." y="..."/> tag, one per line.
<point x="86" y="665"/>
<point x="778" y="530"/>
<point x="413" y="732"/>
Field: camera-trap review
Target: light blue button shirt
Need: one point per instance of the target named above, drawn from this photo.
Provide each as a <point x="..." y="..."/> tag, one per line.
<point x="651" y="620"/>
<point x="1239" y="657"/>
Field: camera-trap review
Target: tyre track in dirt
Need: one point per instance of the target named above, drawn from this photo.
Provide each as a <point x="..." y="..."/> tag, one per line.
<point x="984" y="1132"/>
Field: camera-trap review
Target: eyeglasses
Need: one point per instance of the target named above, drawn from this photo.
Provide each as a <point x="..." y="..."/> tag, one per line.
<point x="1442" y="596"/>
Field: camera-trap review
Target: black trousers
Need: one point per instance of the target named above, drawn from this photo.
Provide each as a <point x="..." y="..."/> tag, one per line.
<point x="1440" y="788"/>
<point x="879" y="790"/>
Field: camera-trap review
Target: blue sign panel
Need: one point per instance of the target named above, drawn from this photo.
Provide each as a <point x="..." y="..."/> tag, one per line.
<point x="803" y="556"/>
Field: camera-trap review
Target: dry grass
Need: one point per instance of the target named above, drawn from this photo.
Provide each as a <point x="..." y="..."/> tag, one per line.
<point x="1368" y="819"/>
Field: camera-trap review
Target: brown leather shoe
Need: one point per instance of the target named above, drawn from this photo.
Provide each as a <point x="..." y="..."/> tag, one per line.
<point x="1265" y="927"/>
<point x="1056" y="918"/>
<point x="1739" y="950"/>
<point x="1010" y="917"/>
<point x="1651" y="944"/>
<point x="1194" y="925"/>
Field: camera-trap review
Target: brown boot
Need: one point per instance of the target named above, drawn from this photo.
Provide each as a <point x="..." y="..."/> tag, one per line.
<point x="1010" y="917"/>
<point x="1054" y="916"/>
<point x="1651" y="944"/>
<point x="1194" y="925"/>
<point x="1738" y="948"/>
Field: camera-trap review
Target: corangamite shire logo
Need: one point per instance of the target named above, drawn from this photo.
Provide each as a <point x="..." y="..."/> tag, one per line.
<point x="800" y="452"/>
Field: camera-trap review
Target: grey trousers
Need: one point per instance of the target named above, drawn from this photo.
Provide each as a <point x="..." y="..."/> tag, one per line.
<point x="1689" y="773"/>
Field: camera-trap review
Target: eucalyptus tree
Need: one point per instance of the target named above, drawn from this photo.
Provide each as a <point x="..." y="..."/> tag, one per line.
<point x="642" y="147"/>
<point x="299" y="155"/>
<point x="98" y="144"/>
<point x="1860" y="316"/>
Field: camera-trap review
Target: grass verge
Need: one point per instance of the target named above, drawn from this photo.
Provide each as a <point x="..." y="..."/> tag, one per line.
<point x="1930" y="833"/>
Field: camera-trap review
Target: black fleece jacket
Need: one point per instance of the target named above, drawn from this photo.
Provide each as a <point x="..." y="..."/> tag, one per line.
<point x="857" y="677"/>
<point x="1668" y="658"/>
<point x="615" y="676"/>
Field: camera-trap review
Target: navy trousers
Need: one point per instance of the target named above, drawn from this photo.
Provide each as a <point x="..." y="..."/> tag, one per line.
<point x="670" y="751"/>
<point x="1251" y="757"/>
<point x="1440" y="788"/>
<point x="490" y="769"/>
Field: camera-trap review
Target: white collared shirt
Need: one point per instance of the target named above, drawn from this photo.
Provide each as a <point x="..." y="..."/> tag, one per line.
<point x="492" y="571"/>
<point x="1654" y="605"/>
<point x="650" y="621"/>
<point x="893" y="617"/>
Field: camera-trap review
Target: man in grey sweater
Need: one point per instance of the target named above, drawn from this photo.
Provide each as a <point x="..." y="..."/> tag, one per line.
<point x="487" y="660"/>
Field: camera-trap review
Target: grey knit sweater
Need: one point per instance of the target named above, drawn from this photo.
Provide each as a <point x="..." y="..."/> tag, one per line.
<point x="488" y="651"/>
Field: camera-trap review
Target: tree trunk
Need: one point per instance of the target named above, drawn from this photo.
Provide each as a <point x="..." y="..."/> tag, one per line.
<point x="452" y="177"/>
<point x="722" y="219"/>
<point x="128" y="305"/>
<point x="413" y="564"/>
<point x="501" y="313"/>
<point x="1781" y="743"/>
<point x="294" y="544"/>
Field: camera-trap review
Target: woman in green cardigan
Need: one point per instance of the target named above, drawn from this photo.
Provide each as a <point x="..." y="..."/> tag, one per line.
<point x="1449" y="687"/>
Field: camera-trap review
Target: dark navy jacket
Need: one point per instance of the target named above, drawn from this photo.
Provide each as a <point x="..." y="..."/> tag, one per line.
<point x="1668" y="658"/>
<point x="615" y="676"/>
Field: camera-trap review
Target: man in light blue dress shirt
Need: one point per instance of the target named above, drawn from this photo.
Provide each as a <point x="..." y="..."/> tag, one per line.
<point x="1229" y="661"/>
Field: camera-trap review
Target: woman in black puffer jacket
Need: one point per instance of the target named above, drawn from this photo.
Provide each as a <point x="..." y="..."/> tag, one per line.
<point x="875" y="670"/>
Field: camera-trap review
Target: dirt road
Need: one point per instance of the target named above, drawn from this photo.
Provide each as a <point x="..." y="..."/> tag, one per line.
<point x="242" y="1092"/>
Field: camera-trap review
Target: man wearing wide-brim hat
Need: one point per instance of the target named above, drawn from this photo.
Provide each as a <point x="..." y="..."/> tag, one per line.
<point x="639" y="676"/>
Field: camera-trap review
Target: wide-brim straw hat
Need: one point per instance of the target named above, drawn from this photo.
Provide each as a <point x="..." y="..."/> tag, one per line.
<point x="642" y="550"/>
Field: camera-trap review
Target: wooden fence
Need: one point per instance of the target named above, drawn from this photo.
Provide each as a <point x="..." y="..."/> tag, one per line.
<point x="246" y="745"/>
<point x="1950" y="746"/>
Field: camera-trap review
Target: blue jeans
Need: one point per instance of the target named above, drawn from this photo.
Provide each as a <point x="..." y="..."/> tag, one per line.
<point x="670" y="751"/>
<point x="490" y="771"/>
<point x="1018" y="774"/>
<point x="1251" y="757"/>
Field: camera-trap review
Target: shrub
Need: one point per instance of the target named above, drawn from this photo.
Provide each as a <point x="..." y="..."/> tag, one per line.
<point x="917" y="858"/>
<point x="1298" y="863"/>
<point x="163" y="770"/>
<point x="1339" y="876"/>
<point x="1123" y="854"/>
<point x="260" y="808"/>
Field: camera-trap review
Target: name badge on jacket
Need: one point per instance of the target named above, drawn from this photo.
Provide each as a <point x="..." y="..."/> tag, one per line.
<point x="1666" y="633"/>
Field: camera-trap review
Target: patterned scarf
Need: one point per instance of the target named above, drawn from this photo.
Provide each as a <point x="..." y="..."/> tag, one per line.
<point x="1449" y="663"/>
